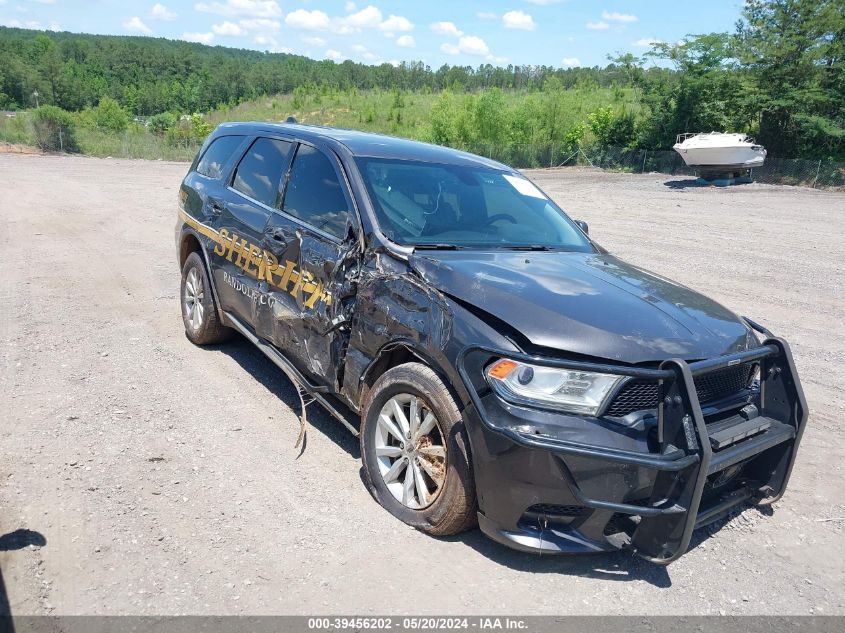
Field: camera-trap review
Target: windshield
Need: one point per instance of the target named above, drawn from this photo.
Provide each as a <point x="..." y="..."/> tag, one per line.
<point x="432" y="205"/>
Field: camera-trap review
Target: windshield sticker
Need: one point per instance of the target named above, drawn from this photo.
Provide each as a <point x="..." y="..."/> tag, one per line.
<point x="261" y="264"/>
<point x="524" y="186"/>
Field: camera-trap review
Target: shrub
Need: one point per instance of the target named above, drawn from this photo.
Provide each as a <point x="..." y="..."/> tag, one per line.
<point x="161" y="123"/>
<point x="109" y="115"/>
<point x="55" y="129"/>
<point x="192" y="131"/>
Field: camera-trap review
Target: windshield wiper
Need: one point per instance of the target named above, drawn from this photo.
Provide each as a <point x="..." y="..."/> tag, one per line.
<point x="530" y="247"/>
<point x="436" y="247"/>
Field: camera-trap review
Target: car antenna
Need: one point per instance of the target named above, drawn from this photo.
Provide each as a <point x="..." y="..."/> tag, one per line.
<point x="290" y="119"/>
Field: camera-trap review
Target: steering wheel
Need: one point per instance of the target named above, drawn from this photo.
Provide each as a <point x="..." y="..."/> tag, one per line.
<point x="500" y="216"/>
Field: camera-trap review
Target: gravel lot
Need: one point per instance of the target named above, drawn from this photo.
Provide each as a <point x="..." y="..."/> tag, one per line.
<point x="161" y="478"/>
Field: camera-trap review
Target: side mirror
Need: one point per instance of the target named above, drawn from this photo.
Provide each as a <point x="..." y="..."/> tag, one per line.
<point x="583" y="226"/>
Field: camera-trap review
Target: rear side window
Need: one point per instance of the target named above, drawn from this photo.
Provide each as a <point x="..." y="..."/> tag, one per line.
<point x="260" y="170"/>
<point x="314" y="193"/>
<point x="220" y="150"/>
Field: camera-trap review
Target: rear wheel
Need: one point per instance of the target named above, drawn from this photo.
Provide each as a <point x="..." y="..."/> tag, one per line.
<point x="415" y="452"/>
<point x="199" y="314"/>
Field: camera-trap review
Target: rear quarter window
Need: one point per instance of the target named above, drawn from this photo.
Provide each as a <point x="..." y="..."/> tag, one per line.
<point x="218" y="153"/>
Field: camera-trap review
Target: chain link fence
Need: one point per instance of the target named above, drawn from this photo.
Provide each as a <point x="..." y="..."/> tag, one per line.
<point x="18" y="134"/>
<point x="780" y="171"/>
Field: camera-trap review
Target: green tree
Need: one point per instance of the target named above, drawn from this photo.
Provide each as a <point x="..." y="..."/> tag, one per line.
<point x="706" y="92"/>
<point x="160" y="123"/>
<point x="795" y="51"/>
<point x="600" y="123"/>
<point x="108" y="115"/>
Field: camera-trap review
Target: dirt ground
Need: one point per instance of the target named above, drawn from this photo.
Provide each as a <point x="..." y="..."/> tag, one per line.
<point x="156" y="477"/>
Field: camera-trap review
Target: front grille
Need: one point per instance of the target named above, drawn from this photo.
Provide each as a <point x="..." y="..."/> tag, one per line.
<point x="638" y="395"/>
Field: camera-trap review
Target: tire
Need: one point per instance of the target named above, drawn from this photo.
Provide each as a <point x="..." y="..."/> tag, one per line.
<point x="199" y="313"/>
<point x="439" y="511"/>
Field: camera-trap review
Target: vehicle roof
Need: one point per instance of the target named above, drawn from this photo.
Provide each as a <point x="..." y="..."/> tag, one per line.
<point x="365" y="144"/>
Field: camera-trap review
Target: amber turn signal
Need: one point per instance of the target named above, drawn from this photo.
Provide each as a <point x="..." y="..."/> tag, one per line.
<point x="501" y="369"/>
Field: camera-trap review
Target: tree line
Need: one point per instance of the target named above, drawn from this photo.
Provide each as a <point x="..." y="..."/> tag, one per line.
<point x="780" y="76"/>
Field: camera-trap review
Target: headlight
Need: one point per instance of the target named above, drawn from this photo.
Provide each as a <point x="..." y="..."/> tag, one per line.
<point x="550" y="387"/>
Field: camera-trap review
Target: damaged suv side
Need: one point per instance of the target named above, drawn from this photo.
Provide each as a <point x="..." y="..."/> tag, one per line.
<point x="499" y="367"/>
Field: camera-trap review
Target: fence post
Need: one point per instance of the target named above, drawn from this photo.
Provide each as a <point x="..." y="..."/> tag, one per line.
<point x="645" y="153"/>
<point x="818" y="170"/>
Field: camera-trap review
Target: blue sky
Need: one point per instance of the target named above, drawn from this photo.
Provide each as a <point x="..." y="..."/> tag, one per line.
<point x="501" y="32"/>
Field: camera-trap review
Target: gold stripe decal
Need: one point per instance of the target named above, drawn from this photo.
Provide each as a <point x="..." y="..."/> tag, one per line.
<point x="261" y="264"/>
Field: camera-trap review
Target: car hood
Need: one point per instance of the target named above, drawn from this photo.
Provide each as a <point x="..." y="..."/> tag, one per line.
<point x="590" y="304"/>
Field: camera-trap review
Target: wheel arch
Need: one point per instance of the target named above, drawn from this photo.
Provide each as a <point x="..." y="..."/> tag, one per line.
<point x="191" y="242"/>
<point x="400" y="352"/>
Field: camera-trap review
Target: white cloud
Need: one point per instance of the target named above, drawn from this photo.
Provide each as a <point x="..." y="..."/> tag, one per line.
<point x="29" y="24"/>
<point x="518" y="20"/>
<point x="362" y="52"/>
<point x="468" y="45"/>
<point x="314" y="41"/>
<point x="271" y="44"/>
<point x="570" y="62"/>
<point x="368" y="17"/>
<point x="396" y="23"/>
<point x="543" y="3"/>
<point x="406" y="41"/>
<point x="44" y="1"/>
<point x="161" y="12"/>
<point x="335" y="56"/>
<point x="136" y="25"/>
<point x="446" y="28"/>
<point x="598" y="26"/>
<point x="227" y="28"/>
<point x="263" y="25"/>
<point x="248" y="8"/>
<point x="486" y="15"/>
<point x="200" y="38"/>
<point x="618" y="17"/>
<point x="349" y="7"/>
<point x="648" y="42"/>
<point x="310" y="20"/>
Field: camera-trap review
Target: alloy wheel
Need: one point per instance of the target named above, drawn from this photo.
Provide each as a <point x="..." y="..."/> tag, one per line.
<point x="192" y="298"/>
<point x="411" y="451"/>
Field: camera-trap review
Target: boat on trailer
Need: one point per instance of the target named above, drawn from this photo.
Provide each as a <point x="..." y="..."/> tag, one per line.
<point x="719" y="152"/>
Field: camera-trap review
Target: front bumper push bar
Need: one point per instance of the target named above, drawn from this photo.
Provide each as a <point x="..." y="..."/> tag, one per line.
<point x="686" y="456"/>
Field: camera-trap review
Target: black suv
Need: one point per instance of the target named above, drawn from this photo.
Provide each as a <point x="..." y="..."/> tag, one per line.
<point x="499" y="366"/>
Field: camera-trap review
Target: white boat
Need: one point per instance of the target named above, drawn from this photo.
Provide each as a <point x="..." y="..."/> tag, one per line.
<point x="712" y="151"/>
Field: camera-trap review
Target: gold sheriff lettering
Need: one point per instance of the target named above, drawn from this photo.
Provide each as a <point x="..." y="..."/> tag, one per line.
<point x="263" y="265"/>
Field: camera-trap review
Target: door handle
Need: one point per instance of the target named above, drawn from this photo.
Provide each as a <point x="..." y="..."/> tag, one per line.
<point x="277" y="237"/>
<point x="216" y="207"/>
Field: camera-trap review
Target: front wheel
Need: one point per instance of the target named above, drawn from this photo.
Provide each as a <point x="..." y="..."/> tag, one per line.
<point x="415" y="452"/>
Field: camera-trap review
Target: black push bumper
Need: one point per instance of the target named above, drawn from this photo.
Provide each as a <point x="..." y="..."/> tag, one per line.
<point x="557" y="493"/>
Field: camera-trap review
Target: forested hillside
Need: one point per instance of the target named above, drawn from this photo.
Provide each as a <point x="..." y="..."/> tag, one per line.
<point x="152" y="75"/>
<point x="780" y="77"/>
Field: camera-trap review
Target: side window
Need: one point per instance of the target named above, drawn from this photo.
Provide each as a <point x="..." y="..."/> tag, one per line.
<point x="314" y="194"/>
<point x="260" y="170"/>
<point x="220" y="150"/>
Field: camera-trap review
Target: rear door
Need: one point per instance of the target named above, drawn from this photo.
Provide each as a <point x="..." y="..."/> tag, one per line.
<point x="311" y="240"/>
<point x="243" y="209"/>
